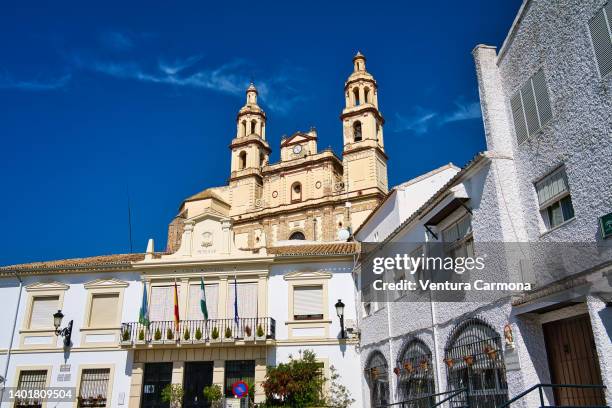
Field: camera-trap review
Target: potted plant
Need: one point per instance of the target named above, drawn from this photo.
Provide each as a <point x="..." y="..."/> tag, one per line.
<point x="397" y="371"/>
<point x="423" y="365"/>
<point x="157" y="335"/>
<point x="260" y="334"/>
<point x="173" y="393"/>
<point x="141" y="336"/>
<point x="248" y="333"/>
<point x="213" y="394"/>
<point x="126" y="336"/>
<point x="214" y="335"/>
<point x="490" y="351"/>
<point x="186" y="334"/>
<point x="169" y="334"/>
<point x="198" y="334"/>
<point x="449" y="362"/>
<point x="408" y="367"/>
<point x="228" y="334"/>
<point x="469" y="360"/>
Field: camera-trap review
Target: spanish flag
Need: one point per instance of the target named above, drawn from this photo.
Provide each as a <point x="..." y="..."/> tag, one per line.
<point x="176" y="308"/>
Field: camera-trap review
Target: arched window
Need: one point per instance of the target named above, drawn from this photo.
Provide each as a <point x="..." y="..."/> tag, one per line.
<point x="297" y="235"/>
<point x="379" y="134"/>
<point x="244" y="128"/>
<point x="474" y="360"/>
<point x="416" y="378"/>
<point x="296" y="192"/>
<point x="262" y="159"/>
<point x="357" y="131"/>
<point x="377" y="377"/>
<point x="366" y="95"/>
<point x="253" y="126"/>
<point x="242" y="161"/>
<point x="356" y="96"/>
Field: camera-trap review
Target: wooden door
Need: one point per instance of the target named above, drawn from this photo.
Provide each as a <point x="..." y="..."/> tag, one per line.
<point x="572" y="359"/>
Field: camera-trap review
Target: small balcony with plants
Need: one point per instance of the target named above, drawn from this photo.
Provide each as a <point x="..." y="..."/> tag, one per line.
<point x="255" y="330"/>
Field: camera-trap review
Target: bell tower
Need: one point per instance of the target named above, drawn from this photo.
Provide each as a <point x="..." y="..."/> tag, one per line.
<point x="250" y="152"/>
<point x="364" y="158"/>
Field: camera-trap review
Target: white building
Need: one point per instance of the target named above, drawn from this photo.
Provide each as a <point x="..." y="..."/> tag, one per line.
<point x="543" y="182"/>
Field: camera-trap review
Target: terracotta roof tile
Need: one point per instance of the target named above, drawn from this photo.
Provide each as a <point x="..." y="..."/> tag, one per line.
<point x="331" y="248"/>
<point x="101" y="261"/>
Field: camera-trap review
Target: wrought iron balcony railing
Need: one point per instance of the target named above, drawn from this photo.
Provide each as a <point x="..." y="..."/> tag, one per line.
<point x="198" y="331"/>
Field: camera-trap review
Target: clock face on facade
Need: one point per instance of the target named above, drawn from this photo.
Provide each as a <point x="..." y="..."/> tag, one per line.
<point x="297" y="149"/>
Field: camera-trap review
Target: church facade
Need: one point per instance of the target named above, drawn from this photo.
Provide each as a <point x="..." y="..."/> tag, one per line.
<point x="269" y="251"/>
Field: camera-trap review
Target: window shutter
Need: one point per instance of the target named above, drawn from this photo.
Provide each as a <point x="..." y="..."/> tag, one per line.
<point x="308" y="300"/>
<point x="529" y="106"/>
<point x="542" y="100"/>
<point x="212" y="300"/>
<point x="162" y="303"/>
<point x="43" y="309"/>
<point x="103" y="311"/>
<point x="600" y="27"/>
<point x="247" y="300"/>
<point x="520" y="126"/>
<point x="552" y="186"/>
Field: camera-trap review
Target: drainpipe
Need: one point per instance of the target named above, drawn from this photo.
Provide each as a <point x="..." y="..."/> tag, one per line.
<point x="8" y="353"/>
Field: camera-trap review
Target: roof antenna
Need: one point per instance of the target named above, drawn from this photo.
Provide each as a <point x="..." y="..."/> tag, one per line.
<point x="129" y="208"/>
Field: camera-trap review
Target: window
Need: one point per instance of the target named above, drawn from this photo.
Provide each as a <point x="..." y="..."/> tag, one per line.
<point x="377" y="377"/>
<point x="43" y="308"/>
<point x="247" y="300"/>
<point x="244" y="128"/>
<point x="554" y="199"/>
<point x="103" y="312"/>
<point x="298" y="235"/>
<point x="531" y="107"/>
<point x="242" y="163"/>
<point x="194" y="311"/>
<point x="31" y="380"/>
<point x="474" y="360"/>
<point x="415" y="377"/>
<point x="357" y="137"/>
<point x="162" y="303"/>
<point x="458" y="238"/>
<point x="600" y="27"/>
<point x="296" y="192"/>
<point x="238" y="370"/>
<point x="308" y="302"/>
<point x="356" y="96"/>
<point x="94" y="387"/>
<point x="366" y="93"/>
<point x="253" y="126"/>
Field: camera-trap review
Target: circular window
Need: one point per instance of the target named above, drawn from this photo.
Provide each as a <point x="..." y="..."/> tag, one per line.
<point x="274" y="194"/>
<point x="318" y="184"/>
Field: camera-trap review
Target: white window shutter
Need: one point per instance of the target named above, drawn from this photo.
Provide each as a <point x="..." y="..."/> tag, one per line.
<point x="161" y="304"/>
<point x="194" y="311"/>
<point x="600" y="27"/>
<point x="519" y="118"/>
<point x="542" y="100"/>
<point x="552" y="186"/>
<point x="247" y="300"/>
<point x="529" y="106"/>
<point x="103" y="311"/>
<point x="308" y="300"/>
<point x="43" y="309"/>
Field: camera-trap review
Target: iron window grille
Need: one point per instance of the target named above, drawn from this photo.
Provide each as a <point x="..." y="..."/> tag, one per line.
<point x="377" y="377"/>
<point x="415" y="375"/>
<point x="31" y="380"/>
<point x="94" y="387"/>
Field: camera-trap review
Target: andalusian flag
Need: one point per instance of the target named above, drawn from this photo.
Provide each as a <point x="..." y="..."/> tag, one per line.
<point x="143" y="318"/>
<point x="203" y="299"/>
<point x="176" y="308"/>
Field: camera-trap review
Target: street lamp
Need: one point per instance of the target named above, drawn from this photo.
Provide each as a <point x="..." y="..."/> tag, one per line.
<point x="66" y="332"/>
<point x="340" y="312"/>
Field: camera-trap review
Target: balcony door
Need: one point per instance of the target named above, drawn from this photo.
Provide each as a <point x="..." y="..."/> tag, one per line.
<point x="156" y="377"/>
<point x="197" y="375"/>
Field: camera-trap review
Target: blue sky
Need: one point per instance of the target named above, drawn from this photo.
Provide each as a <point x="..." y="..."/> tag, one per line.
<point x="99" y="99"/>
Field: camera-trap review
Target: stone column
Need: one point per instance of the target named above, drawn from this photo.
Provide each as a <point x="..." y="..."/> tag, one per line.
<point x="260" y="375"/>
<point x="136" y="385"/>
<point x="262" y="295"/>
<point x="221" y="307"/>
<point x="177" y="372"/>
<point x="219" y="374"/>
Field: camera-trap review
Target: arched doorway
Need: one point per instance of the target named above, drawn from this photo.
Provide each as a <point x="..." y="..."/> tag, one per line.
<point x="416" y="376"/>
<point x="474" y="361"/>
<point x="377" y="377"/>
<point x="297" y="235"/>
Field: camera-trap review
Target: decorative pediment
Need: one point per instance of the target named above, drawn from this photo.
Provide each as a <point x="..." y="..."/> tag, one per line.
<point x="307" y="275"/>
<point x="209" y="213"/>
<point x="46" y="286"/>
<point x="297" y="137"/>
<point x="106" y="283"/>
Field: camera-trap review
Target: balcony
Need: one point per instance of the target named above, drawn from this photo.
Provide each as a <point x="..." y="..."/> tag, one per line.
<point x="206" y="332"/>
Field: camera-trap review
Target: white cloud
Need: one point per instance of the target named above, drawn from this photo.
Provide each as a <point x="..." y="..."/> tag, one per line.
<point x="8" y="82"/>
<point x="421" y="120"/>
<point x="116" y="41"/>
